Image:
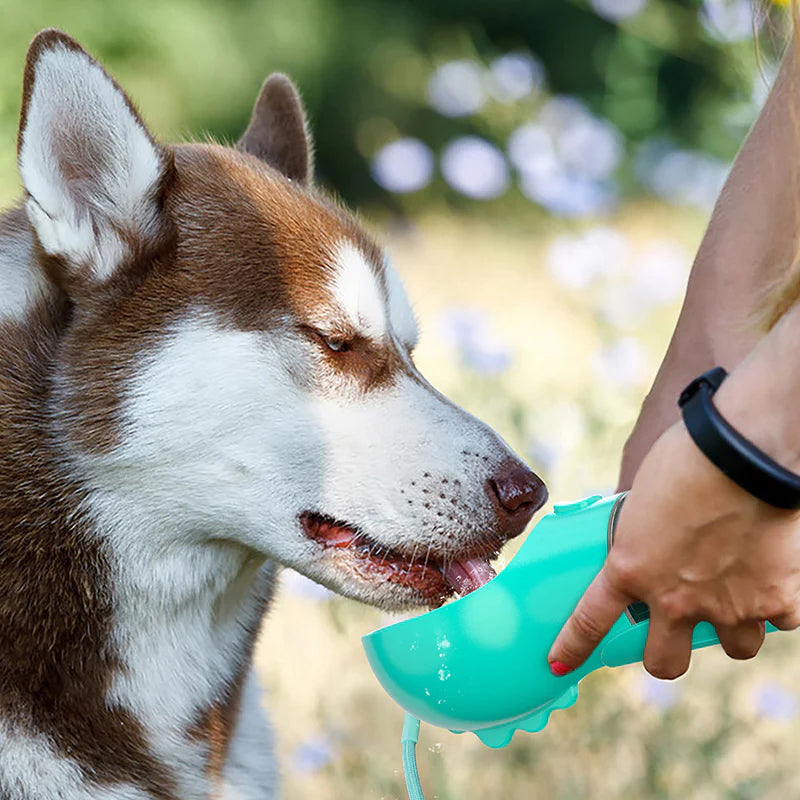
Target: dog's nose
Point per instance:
(518, 489)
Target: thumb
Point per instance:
(598, 609)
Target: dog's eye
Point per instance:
(337, 345)
(334, 343)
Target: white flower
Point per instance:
(577, 261)
(590, 146)
(569, 195)
(658, 693)
(405, 165)
(566, 159)
(728, 20)
(557, 429)
(475, 167)
(531, 150)
(622, 362)
(616, 10)
(620, 306)
(546, 454)
(458, 88)
(661, 273)
(301, 586)
(514, 76)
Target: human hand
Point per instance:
(694, 546)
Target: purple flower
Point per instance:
(775, 702)
(570, 196)
(313, 754)
(546, 454)
(660, 694)
(301, 586)
(578, 261)
(555, 433)
(565, 159)
(682, 177)
(469, 332)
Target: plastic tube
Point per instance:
(409, 743)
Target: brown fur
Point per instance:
(55, 604)
(247, 245)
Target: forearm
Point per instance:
(749, 245)
(751, 240)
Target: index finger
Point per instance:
(598, 609)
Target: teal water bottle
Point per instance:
(479, 663)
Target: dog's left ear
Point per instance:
(278, 131)
(92, 172)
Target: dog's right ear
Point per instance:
(92, 173)
(278, 131)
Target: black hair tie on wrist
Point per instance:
(743, 462)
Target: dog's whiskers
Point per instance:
(413, 558)
(359, 536)
(427, 555)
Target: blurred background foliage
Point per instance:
(542, 171)
(572, 105)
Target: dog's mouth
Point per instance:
(431, 575)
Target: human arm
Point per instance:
(747, 249)
(695, 546)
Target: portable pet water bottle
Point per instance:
(480, 663)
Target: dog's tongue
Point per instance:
(467, 575)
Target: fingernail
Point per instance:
(559, 668)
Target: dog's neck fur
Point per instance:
(126, 661)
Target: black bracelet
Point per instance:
(743, 462)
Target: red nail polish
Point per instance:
(559, 669)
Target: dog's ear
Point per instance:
(278, 131)
(92, 173)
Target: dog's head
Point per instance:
(238, 356)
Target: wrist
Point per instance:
(696, 481)
(759, 397)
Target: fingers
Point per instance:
(743, 640)
(669, 647)
(598, 609)
(787, 622)
(669, 644)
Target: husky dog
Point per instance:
(206, 372)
